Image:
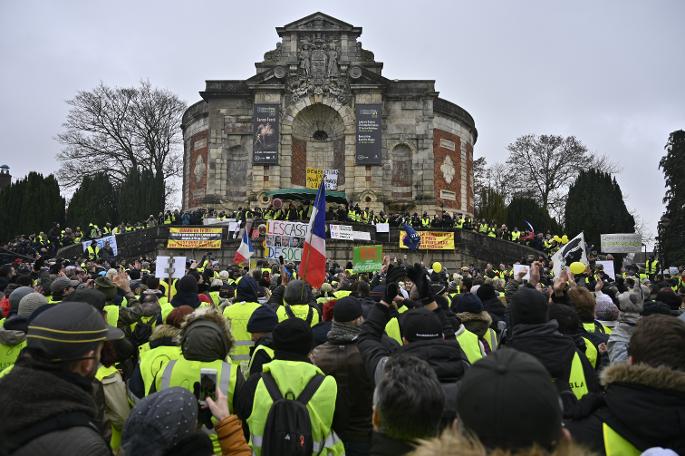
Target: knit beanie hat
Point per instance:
(16, 296)
(347, 309)
(159, 422)
(486, 291)
(421, 324)
(186, 292)
(95, 298)
(605, 309)
(30, 303)
(262, 320)
(566, 317)
(467, 303)
(528, 306)
(502, 388)
(292, 336)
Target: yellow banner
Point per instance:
(432, 240)
(314, 177)
(194, 238)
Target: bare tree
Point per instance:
(114, 130)
(544, 166)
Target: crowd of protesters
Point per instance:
(103, 357)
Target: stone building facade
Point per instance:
(319, 100)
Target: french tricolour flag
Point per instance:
(313, 265)
(245, 251)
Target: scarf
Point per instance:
(343, 332)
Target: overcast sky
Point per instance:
(612, 73)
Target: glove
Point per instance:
(418, 275)
(393, 275)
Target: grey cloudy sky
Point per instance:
(609, 72)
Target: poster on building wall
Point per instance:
(284, 239)
(432, 240)
(313, 177)
(266, 136)
(368, 151)
(194, 238)
(344, 232)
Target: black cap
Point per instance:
(347, 309)
(95, 298)
(528, 306)
(421, 324)
(292, 336)
(68, 330)
(508, 400)
(262, 320)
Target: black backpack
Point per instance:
(291, 314)
(288, 429)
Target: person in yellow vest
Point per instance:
(117, 407)
(162, 347)
(297, 303)
(238, 314)
(644, 396)
(13, 332)
(469, 310)
(515, 235)
(57, 366)
(261, 326)
(288, 376)
(425, 221)
(205, 344)
(93, 251)
(570, 325)
(61, 288)
(651, 267)
(532, 332)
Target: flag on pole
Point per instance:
(574, 251)
(245, 251)
(313, 265)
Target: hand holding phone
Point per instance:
(207, 385)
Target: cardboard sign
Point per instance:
(361, 235)
(101, 243)
(162, 265)
(343, 232)
(367, 258)
(330, 178)
(284, 239)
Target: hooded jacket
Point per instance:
(645, 405)
(555, 351)
(620, 337)
(246, 290)
(477, 323)
(31, 395)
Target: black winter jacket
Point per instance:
(645, 405)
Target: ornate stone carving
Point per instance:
(318, 71)
(447, 169)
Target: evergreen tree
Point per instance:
(524, 209)
(94, 201)
(595, 206)
(492, 207)
(673, 167)
(30, 205)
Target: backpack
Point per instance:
(291, 314)
(288, 429)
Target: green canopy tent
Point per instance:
(302, 194)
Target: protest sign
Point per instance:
(186, 237)
(367, 258)
(621, 243)
(361, 235)
(518, 268)
(284, 239)
(163, 265)
(382, 227)
(432, 240)
(313, 177)
(343, 232)
(101, 243)
(330, 178)
(608, 267)
(569, 253)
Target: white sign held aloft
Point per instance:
(608, 267)
(162, 266)
(621, 243)
(382, 227)
(518, 268)
(569, 253)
